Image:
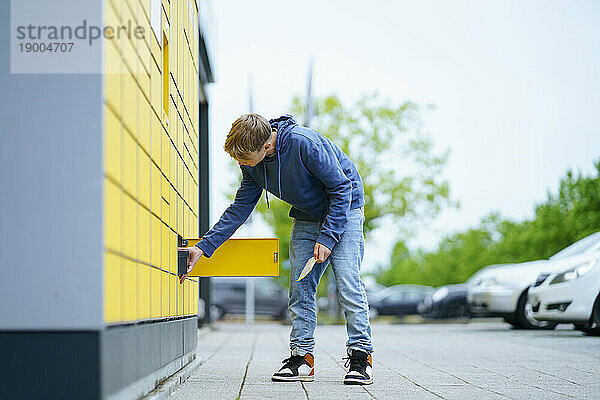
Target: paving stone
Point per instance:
(479, 360)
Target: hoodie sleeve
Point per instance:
(324, 164)
(234, 216)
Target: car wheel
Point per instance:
(592, 328)
(510, 319)
(216, 312)
(524, 316)
(588, 328)
(373, 313)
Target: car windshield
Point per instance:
(579, 247)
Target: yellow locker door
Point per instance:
(239, 257)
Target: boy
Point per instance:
(305, 169)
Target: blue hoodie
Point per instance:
(307, 171)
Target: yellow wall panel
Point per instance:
(165, 294)
(145, 60)
(155, 87)
(155, 51)
(165, 213)
(174, 283)
(156, 197)
(129, 227)
(166, 189)
(145, 11)
(165, 250)
(156, 138)
(112, 288)
(190, 309)
(143, 77)
(172, 173)
(166, 153)
(180, 298)
(144, 239)
(155, 294)
(156, 242)
(127, 46)
(180, 212)
(129, 284)
(144, 123)
(179, 177)
(112, 75)
(144, 179)
(112, 145)
(195, 297)
(129, 170)
(173, 251)
(166, 9)
(143, 291)
(187, 306)
(112, 216)
(173, 209)
(129, 103)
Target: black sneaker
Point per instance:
(296, 368)
(360, 368)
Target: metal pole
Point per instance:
(250, 301)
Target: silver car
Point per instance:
(503, 290)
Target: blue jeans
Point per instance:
(345, 260)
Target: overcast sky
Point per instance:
(516, 85)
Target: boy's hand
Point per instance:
(321, 252)
(193, 257)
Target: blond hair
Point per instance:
(247, 135)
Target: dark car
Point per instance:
(228, 296)
(446, 302)
(397, 300)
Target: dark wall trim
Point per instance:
(204, 201)
(206, 74)
(89, 364)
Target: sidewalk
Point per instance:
(432, 361)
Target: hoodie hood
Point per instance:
(283, 125)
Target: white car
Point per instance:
(502, 290)
(571, 295)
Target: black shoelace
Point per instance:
(293, 362)
(356, 362)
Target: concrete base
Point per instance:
(115, 363)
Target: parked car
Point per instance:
(502, 290)
(229, 297)
(372, 288)
(446, 302)
(571, 295)
(397, 300)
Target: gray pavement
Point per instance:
(478, 360)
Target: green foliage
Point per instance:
(401, 174)
(564, 218)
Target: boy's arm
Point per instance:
(234, 216)
(323, 163)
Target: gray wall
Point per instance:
(51, 208)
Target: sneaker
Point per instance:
(296, 368)
(360, 368)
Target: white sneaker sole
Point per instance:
(308, 378)
(356, 381)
